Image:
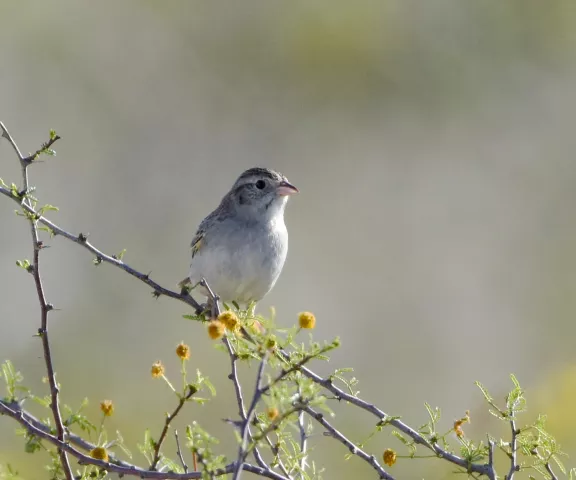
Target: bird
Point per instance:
(240, 248)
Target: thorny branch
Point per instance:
(36, 428)
(275, 451)
(64, 443)
(179, 452)
(303, 437)
(82, 240)
(551, 472)
(514, 467)
(239, 397)
(169, 417)
(245, 432)
(340, 394)
(45, 307)
(347, 443)
(491, 473)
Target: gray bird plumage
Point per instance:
(240, 247)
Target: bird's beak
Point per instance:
(284, 188)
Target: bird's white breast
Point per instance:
(243, 264)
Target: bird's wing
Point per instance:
(194, 246)
(205, 225)
(197, 242)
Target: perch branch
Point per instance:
(82, 240)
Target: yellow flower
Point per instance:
(157, 369)
(272, 413)
(306, 320)
(183, 351)
(389, 457)
(458, 424)
(230, 320)
(216, 329)
(107, 408)
(458, 429)
(99, 453)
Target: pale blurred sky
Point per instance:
(433, 144)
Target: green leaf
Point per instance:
(47, 208)
(147, 448)
(7, 472)
(559, 463)
(25, 264)
(399, 436)
(485, 392)
(43, 401)
(434, 414)
(11, 379)
(50, 232)
(33, 444)
(172, 466)
(119, 442)
(201, 380)
(119, 255)
(408, 443)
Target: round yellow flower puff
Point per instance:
(99, 453)
(157, 369)
(183, 351)
(107, 407)
(306, 320)
(272, 413)
(230, 320)
(389, 457)
(216, 329)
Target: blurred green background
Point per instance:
(433, 144)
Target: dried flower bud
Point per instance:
(458, 424)
(107, 408)
(157, 369)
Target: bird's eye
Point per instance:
(260, 184)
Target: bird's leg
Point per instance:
(185, 288)
(204, 308)
(212, 300)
